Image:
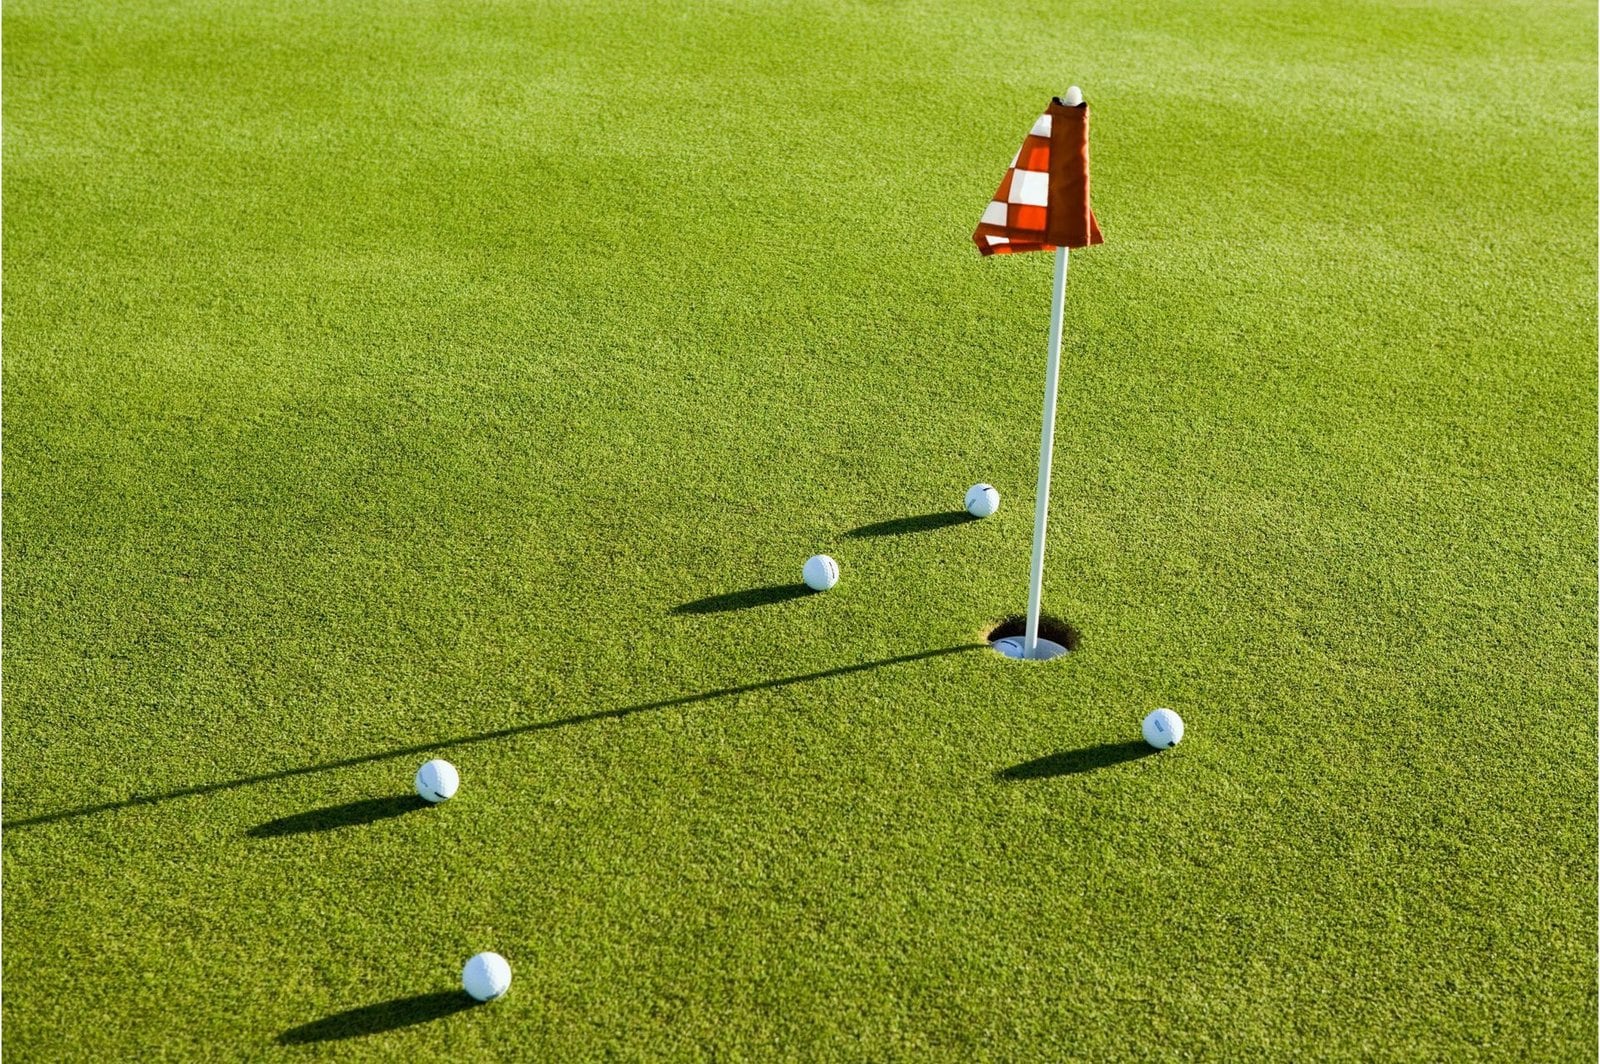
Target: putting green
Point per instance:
(390, 381)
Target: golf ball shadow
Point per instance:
(333, 817)
(375, 1019)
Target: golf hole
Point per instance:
(1056, 638)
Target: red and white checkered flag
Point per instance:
(1043, 201)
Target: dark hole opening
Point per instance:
(1050, 628)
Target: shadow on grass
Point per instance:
(441, 744)
(375, 1019)
(743, 600)
(367, 811)
(1073, 762)
(899, 526)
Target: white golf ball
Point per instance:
(437, 780)
(820, 573)
(1163, 728)
(1074, 97)
(982, 500)
(486, 976)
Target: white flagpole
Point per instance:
(1047, 442)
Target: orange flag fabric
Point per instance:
(1043, 201)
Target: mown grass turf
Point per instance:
(395, 380)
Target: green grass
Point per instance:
(380, 379)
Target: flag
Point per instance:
(1043, 205)
(1043, 201)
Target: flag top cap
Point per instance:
(1043, 200)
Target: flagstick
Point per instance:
(1047, 443)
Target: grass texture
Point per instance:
(395, 380)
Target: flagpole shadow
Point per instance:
(486, 737)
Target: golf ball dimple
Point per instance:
(437, 780)
(982, 500)
(1163, 729)
(486, 976)
(820, 573)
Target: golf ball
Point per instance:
(486, 976)
(1163, 728)
(982, 500)
(820, 573)
(1074, 97)
(437, 780)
